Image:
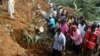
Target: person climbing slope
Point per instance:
(51, 24)
(11, 4)
(59, 13)
(53, 9)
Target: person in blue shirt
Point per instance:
(51, 25)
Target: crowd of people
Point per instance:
(69, 33)
(73, 34)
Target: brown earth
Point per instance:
(10, 37)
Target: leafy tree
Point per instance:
(88, 8)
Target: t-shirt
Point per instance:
(97, 32)
(81, 28)
(52, 23)
(64, 27)
(77, 37)
(59, 42)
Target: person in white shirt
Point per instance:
(59, 43)
(11, 8)
(81, 27)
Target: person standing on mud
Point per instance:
(51, 25)
(76, 37)
(59, 43)
(81, 27)
(89, 42)
(11, 8)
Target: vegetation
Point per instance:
(90, 9)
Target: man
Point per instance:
(98, 39)
(11, 8)
(81, 27)
(59, 43)
(53, 9)
(51, 25)
(64, 27)
(76, 37)
(59, 13)
(89, 42)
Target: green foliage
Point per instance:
(27, 38)
(64, 2)
(31, 40)
(87, 8)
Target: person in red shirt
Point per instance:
(89, 42)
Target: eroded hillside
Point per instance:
(10, 30)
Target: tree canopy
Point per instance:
(90, 9)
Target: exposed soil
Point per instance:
(11, 43)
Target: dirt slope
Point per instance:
(10, 43)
